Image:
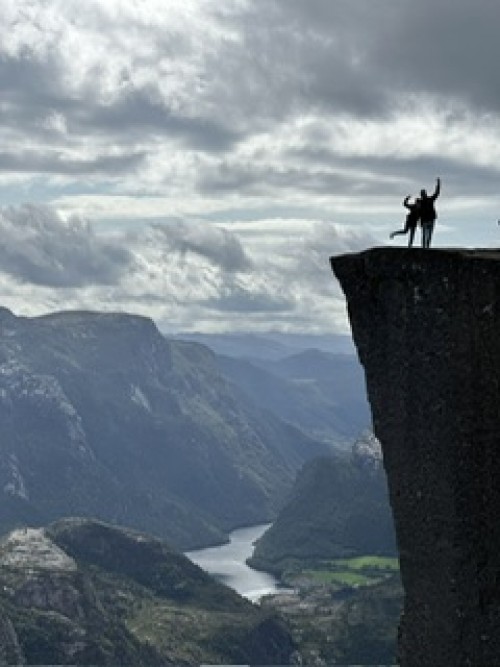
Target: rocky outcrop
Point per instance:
(426, 325)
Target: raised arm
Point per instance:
(406, 200)
(437, 190)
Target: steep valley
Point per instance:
(102, 416)
(84, 592)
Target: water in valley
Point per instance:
(227, 564)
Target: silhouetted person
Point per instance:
(428, 213)
(411, 220)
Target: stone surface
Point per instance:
(426, 325)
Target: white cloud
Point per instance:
(195, 115)
(180, 273)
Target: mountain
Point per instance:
(323, 394)
(270, 346)
(338, 508)
(102, 416)
(83, 592)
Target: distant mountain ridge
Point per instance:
(323, 394)
(270, 345)
(314, 382)
(102, 416)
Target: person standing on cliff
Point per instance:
(411, 220)
(428, 213)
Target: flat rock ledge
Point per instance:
(426, 324)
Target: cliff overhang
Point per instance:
(426, 325)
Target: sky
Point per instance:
(198, 161)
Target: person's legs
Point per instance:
(412, 236)
(431, 230)
(400, 231)
(424, 234)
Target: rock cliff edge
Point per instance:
(427, 329)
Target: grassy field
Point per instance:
(345, 611)
(383, 563)
(352, 572)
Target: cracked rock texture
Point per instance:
(427, 329)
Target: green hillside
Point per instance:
(82, 592)
(322, 394)
(338, 508)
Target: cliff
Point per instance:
(426, 325)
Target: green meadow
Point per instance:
(352, 572)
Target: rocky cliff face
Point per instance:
(426, 325)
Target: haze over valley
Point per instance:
(104, 418)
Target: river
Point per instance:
(227, 564)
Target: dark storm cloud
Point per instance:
(39, 248)
(361, 56)
(447, 48)
(136, 114)
(309, 55)
(32, 90)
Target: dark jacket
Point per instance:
(427, 210)
(413, 212)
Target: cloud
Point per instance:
(217, 142)
(38, 247)
(291, 284)
(138, 115)
(461, 48)
(219, 246)
(200, 99)
(362, 56)
(53, 162)
(244, 301)
(181, 272)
